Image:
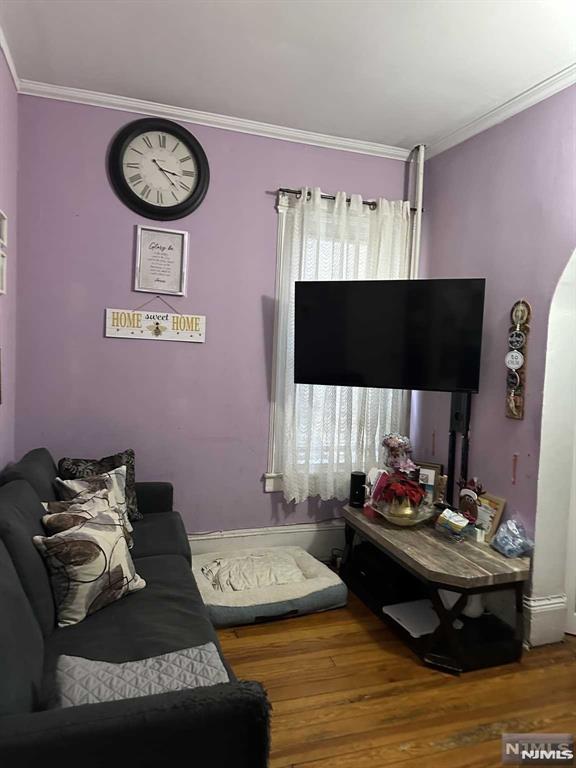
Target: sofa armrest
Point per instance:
(154, 497)
(218, 726)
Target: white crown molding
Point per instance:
(519, 103)
(9, 60)
(238, 124)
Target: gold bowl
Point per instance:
(403, 514)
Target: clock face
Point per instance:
(158, 169)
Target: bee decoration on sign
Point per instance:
(157, 329)
(516, 359)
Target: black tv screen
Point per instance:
(398, 334)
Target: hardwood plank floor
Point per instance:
(346, 693)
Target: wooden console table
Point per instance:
(401, 565)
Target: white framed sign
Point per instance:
(160, 326)
(3, 250)
(161, 261)
(3, 260)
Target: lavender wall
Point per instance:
(8, 204)
(196, 414)
(503, 206)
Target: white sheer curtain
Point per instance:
(322, 433)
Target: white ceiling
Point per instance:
(397, 72)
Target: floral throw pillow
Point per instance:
(90, 567)
(72, 469)
(62, 515)
(81, 490)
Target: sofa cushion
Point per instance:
(21, 641)
(21, 514)
(166, 616)
(160, 534)
(37, 467)
(90, 566)
(72, 469)
(114, 482)
(62, 515)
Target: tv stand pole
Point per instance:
(460, 408)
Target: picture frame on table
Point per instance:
(429, 476)
(161, 264)
(490, 511)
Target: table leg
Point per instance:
(447, 617)
(349, 534)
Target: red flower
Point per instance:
(398, 487)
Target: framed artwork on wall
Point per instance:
(3, 250)
(3, 260)
(161, 261)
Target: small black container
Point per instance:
(357, 489)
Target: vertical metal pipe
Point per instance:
(417, 220)
(415, 238)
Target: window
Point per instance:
(319, 434)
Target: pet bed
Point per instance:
(253, 585)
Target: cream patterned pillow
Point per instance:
(82, 488)
(90, 567)
(63, 515)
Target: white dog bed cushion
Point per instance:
(252, 585)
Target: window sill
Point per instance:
(273, 482)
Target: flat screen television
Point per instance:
(398, 334)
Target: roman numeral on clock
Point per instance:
(136, 177)
(146, 192)
(185, 186)
(132, 165)
(146, 140)
(159, 198)
(188, 173)
(184, 159)
(162, 141)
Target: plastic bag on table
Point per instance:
(512, 540)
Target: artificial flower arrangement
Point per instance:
(397, 487)
(394, 494)
(398, 452)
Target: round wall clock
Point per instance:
(158, 169)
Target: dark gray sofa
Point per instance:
(215, 727)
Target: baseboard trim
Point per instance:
(319, 539)
(545, 619)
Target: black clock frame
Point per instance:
(123, 189)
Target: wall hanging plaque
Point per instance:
(161, 261)
(161, 326)
(516, 359)
(3, 250)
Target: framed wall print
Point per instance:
(3, 260)
(3, 231)
(3, 250)
(161, 261)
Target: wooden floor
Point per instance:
(347, 694)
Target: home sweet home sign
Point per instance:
(159, 326)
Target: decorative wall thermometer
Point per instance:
(516, 359)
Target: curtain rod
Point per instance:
(373, 204)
